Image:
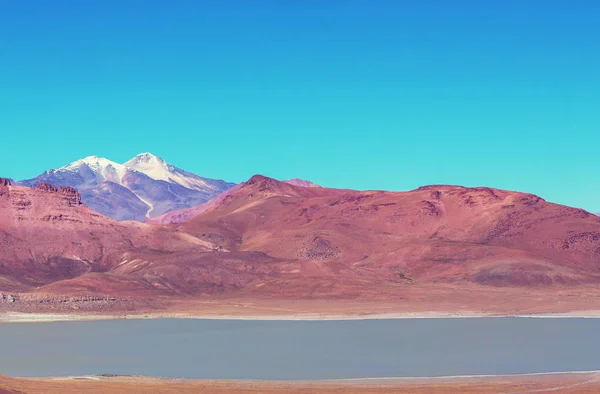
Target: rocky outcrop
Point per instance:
(7, 298)
(4, 187)
(47, 187)
(320, 249)
(71, 195)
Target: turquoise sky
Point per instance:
(358, 94)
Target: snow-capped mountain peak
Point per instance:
(146, 159)
(140, 188)
(159, 170)
(103, 168)
(91, 162)
(153, 166)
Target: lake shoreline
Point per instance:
(25, 317)
(576, 381)
(375, 380)
(286, 355)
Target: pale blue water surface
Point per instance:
(243, 349)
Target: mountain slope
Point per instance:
(143, 187)
(181, 215)
(48, 235)
(51, 243)
(270, 240)
(301, 182)
(435, 234)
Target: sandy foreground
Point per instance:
(576, 382)
(412, 302)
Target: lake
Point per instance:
(245, 349)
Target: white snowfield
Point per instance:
(151, 185)
(158, 169)
(103, 168)
(146, 163)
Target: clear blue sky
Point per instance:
(358, 94)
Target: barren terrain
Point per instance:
(275, 248)
(588, 382)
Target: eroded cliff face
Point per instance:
(4, 187)
(68, 193)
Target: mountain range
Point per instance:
(141, 188)
(268, 239)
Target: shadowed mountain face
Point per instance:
(181, 215)
(274, 239)
(145, 186)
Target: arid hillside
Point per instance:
(48, 236)
(433, 234)
(274, 240)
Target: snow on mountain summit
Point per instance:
(146, 160)
(104, 168)
(142, 187)
(158, 169)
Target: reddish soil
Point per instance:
(435, 234)
(271, 240)
(553, 383)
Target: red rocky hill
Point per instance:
(277, 240)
